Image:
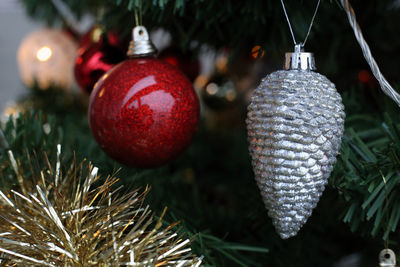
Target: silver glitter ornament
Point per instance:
(295, 123)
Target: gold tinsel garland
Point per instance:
(66, 219)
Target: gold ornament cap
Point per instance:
(141, 45)
(299, 60)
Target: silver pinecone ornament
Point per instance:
(295, 123)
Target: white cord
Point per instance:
(81, 26)
(386, 87)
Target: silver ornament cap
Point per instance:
(299, 60)
(387, 258)
(141, 44)
(295, 122)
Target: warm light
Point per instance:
(222, 64)
(200, 81)
(38, 50)
(96, 35)
(44, 54)
(11, 110)
(257, 52)
(230, 95)
(212, 89)
(101, 92)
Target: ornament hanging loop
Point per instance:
(298, 48)
(387, 258)
(141, 45)
(139, 33)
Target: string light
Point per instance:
(212, 89)
(44, 53)
(257, 52)
(46, 58)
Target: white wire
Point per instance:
(385, 86)
(66, 13)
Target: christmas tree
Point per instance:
(225, 48)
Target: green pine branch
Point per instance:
(367, 177)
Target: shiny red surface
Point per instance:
(143, 112)
(93, 62)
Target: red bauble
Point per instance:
(186, 62)
(97, 35)
(93, 62)
(94, 35)
(143, 112)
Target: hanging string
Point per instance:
(288, 21)
(312, 22)
(140, 12)
(290, 25)
(385, 86)
(136, 16)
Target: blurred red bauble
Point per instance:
(365, 76)
(143, 112)
(93, 62)
(94, 35)
(186, 62)
(97, 35)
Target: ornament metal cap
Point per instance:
(141, 45)
(299, 60)
(387, 258)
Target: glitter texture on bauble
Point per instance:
(143, 112)
(295, 123)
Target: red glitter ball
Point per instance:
(93, 62)
(144, 112)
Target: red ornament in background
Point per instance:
(97, 35)
(365, 76)
(143, 112)
(186, 62)
(94, 35)
(93, 62)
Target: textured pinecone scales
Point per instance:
(295, 123)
